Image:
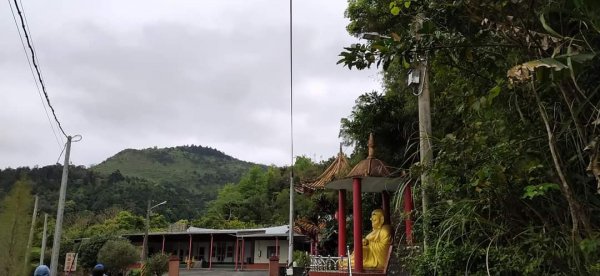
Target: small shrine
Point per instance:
(371, 256)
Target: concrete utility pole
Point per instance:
(33, 219)
(426, 153)
(145, 242)
(42, 253)
(60, 211)
(425, 150)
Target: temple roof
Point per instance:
(337, 170)
(373, 172)
(371, 166)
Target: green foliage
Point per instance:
(301, 258)
(117, 255)
(389, 119)
(88, 251)
(14, 228)
(158, 264)
(511, 192)
(532, 191)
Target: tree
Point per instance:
(117, 255)
(158, 264)
(14, 228)
(88, 251)
(510, 154)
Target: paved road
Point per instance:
(221, 272)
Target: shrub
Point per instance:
(117, 255)
(157, 264)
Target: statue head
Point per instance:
(377, 218)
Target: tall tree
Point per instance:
(510, 154)
(15, 209)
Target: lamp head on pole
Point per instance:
(158, 204)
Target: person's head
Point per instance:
(98, 270)
(377, 218)
(41, 270)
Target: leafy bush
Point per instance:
(117, 255)
(88, 251)
(301, 258)
(157, 264)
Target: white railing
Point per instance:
(328, 263)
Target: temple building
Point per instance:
(240, 249)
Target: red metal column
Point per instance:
(357, 215)
(316, 245)
(408, 207)
(342, 223)
(237, 250)
(243, 254)
(211, 251)
(276, 247)
(189, 261)
(163, 245)
(385, 205)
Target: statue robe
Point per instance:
(375, 252)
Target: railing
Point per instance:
(328, 263)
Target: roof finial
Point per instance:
(371, 145)
(341, 152)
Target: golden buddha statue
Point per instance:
(377, 243)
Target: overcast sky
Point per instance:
(138, 74)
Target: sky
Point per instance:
(140, 74)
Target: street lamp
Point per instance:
(145, 245)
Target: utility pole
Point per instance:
(33, 219)
(425, 150)
(60, 211)
(145, 249)
(44, 240)
(426, 153)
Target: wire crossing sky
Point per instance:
(139, 74)
(35, 65)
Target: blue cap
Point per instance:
(99, 267)
(42, 270)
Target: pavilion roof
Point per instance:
(374, 173)
(337, 170)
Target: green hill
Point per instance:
(196, 168)
(187, 177)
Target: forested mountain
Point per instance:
(197, 168)
(187, 177)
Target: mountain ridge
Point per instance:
(193, 167)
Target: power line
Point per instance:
(59, 142)
(37, 68)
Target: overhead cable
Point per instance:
(37, 69)
(58, 141)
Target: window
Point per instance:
(229, 251)
(272, 251)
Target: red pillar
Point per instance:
(210, 253)
(276, 247)
(357, 214)
(341, 223)
(237, 250)
(163, 245)
(385, 205)
(189, 261)
(408, 207)
(243, 254)
(316, 245)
